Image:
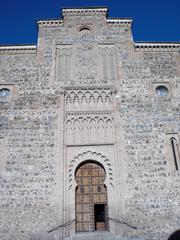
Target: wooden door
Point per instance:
(91, 198)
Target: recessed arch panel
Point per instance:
(93, 156)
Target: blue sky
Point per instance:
(154, 20)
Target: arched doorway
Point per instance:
(91, 198)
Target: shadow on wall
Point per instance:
(175, 236)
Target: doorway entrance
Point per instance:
(91, 198)
(99, 215)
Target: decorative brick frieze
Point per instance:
(157, 47)
(119, 21)
(19, 49)
(89, 116)
(50, 23)
(84, 11)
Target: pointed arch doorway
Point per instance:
(91, 198)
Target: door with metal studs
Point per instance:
(91, 198)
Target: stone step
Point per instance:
(98, 236)
(92, 236)
(124, 238)
(44, 236)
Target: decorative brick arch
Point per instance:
(90, 155)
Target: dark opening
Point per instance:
(99, 215)
(174, 153)
(175, 236)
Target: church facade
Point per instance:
(89, 132)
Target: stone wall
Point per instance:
(85, 51)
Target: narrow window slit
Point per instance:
(174, 148)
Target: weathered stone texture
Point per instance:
(36, 189)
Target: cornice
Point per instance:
(157, 46)
(84, 11)
(87, 87)
(100, 112)
(50, 23)
(119, 21)
(110, 21)
(18, 49)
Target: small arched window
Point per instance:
(4, 93)
(162, 91)
(85, 30)
(175, 152)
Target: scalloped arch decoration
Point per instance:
(90, 155)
